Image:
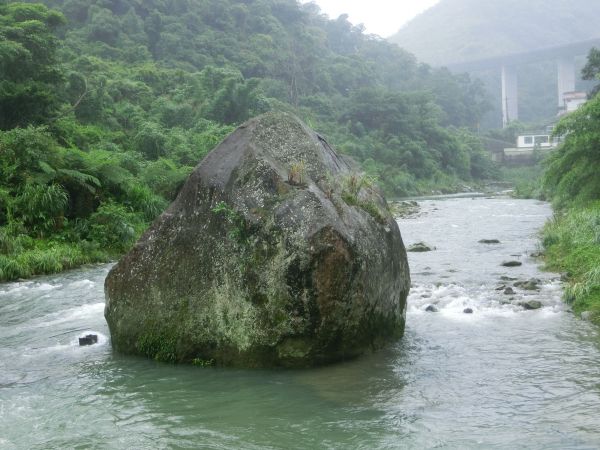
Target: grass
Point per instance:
(572, 243)
(46, 257)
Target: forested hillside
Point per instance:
(462, 30)
(105, 107)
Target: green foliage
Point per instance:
(572, 239)
(591, 71)
(41, 207)
(150, 141)
(571, 175)
(114, 226)
(527, 181)
(28, 68)
(238, 228)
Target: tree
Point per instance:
(572, 171)
(591, 71)
(29, 71)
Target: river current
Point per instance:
(502, 377)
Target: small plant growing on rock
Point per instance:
(351, 187)
(159, 346)
(352, 184)
(239, 228)
(297, 174)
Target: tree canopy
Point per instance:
(106, 106)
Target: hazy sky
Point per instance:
(382, 17)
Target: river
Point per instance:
(501, 377)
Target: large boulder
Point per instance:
(277, 252)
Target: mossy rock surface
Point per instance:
(260, 262)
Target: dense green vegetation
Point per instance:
(106, 106)
(572, 179)
(525, 180)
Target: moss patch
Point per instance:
(158, 345)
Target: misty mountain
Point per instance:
(462, 30)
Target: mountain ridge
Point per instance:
(452, 30)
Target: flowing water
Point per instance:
(501, 377)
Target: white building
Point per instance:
(528, 145)
(572, 101)
(529, 141)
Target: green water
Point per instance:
(499, 378)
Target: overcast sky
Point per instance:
(382, 17)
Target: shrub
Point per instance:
(114, 227)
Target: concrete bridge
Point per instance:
(564, 55)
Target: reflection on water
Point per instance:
(500, 377)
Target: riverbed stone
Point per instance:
(276, 252)
(531, 304)
(432, 308)
(489, 241)
(529, 285)
(89, 339)
(404, 209)
(509, 291)
(468, 311)
(512, 263)
(419, 247)
(565, 277)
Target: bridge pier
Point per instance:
(566, 78)
(510, 95)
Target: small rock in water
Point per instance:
(468, 311)
(586, 315)
(512, 263)
(509, 291)
(530, 285)
(419, 247)
(404, 209)
(489, 241)
(89, 339)
(531, 304)
(431, 308)
(501, 287)
(536, 254)
(505, 278)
